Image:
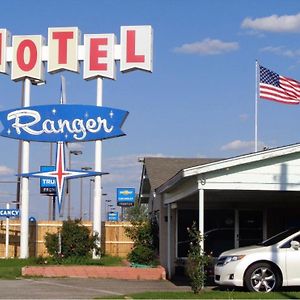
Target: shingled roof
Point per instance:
(160, 169)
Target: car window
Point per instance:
(279, 237)
(288, 243)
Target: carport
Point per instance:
(245, 198)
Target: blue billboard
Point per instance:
(113, 216)
(125, 196)
(47, 184)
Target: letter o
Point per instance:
(27, 66)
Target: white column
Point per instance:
(98, 168)
(24, 248)
(169, 263)
(201, 216)
(7, 234)
(265, 224)
(236, 228)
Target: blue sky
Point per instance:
(199, 100)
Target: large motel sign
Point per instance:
(25, 58)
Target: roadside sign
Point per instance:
(9, 212)
(113, 216)
(47, 184)
(125, 196)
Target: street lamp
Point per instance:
(90, 199)
(81, 190)
(106, 204)
(92, 180)
(74, 152)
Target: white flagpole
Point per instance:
(256, 104)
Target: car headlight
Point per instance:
(233, 258)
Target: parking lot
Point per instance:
(78, 288)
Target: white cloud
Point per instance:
(6, 171)
(208, 47)
(124, 171)
(238, 145)
(75, 146)
(274, 23)
(282, 51)
(243, 117)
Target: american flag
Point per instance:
(278, 88)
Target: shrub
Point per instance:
(196, 261)
(142, 234)
(142, 255)
(74, 240)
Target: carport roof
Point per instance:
(157, 170)
(228, 163)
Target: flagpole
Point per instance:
(256, 105)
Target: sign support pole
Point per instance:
(98, 179)
(24, 249)
(7, 233)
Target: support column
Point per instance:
(265, 224)
(98, 179)
(169, 262)
(201, 216)
(24, 247)
(236, 228)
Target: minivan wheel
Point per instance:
(262, 277)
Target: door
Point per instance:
(250, 227)
(292, 262)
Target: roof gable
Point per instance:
(230, 162)
(160, 169)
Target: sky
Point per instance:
(199, 101)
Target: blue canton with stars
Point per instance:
(268, 77)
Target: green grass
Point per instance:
(11, 268)
(211, 295)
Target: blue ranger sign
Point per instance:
(62, 122)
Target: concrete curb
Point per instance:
(157, 273)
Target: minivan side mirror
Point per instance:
(295, 245)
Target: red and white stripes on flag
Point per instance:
(273, 86)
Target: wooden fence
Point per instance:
(113, 242)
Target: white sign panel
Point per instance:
(136, 48)
(27, 57)
(63, 49)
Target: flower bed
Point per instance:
(121, 272)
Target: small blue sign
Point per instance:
(9, 212)
(113, 216)
(62, 122)
(125, 196)
(47, 184)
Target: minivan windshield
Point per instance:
(278, 237)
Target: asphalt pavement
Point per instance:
(78, 288)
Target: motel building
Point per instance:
(235, 201)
